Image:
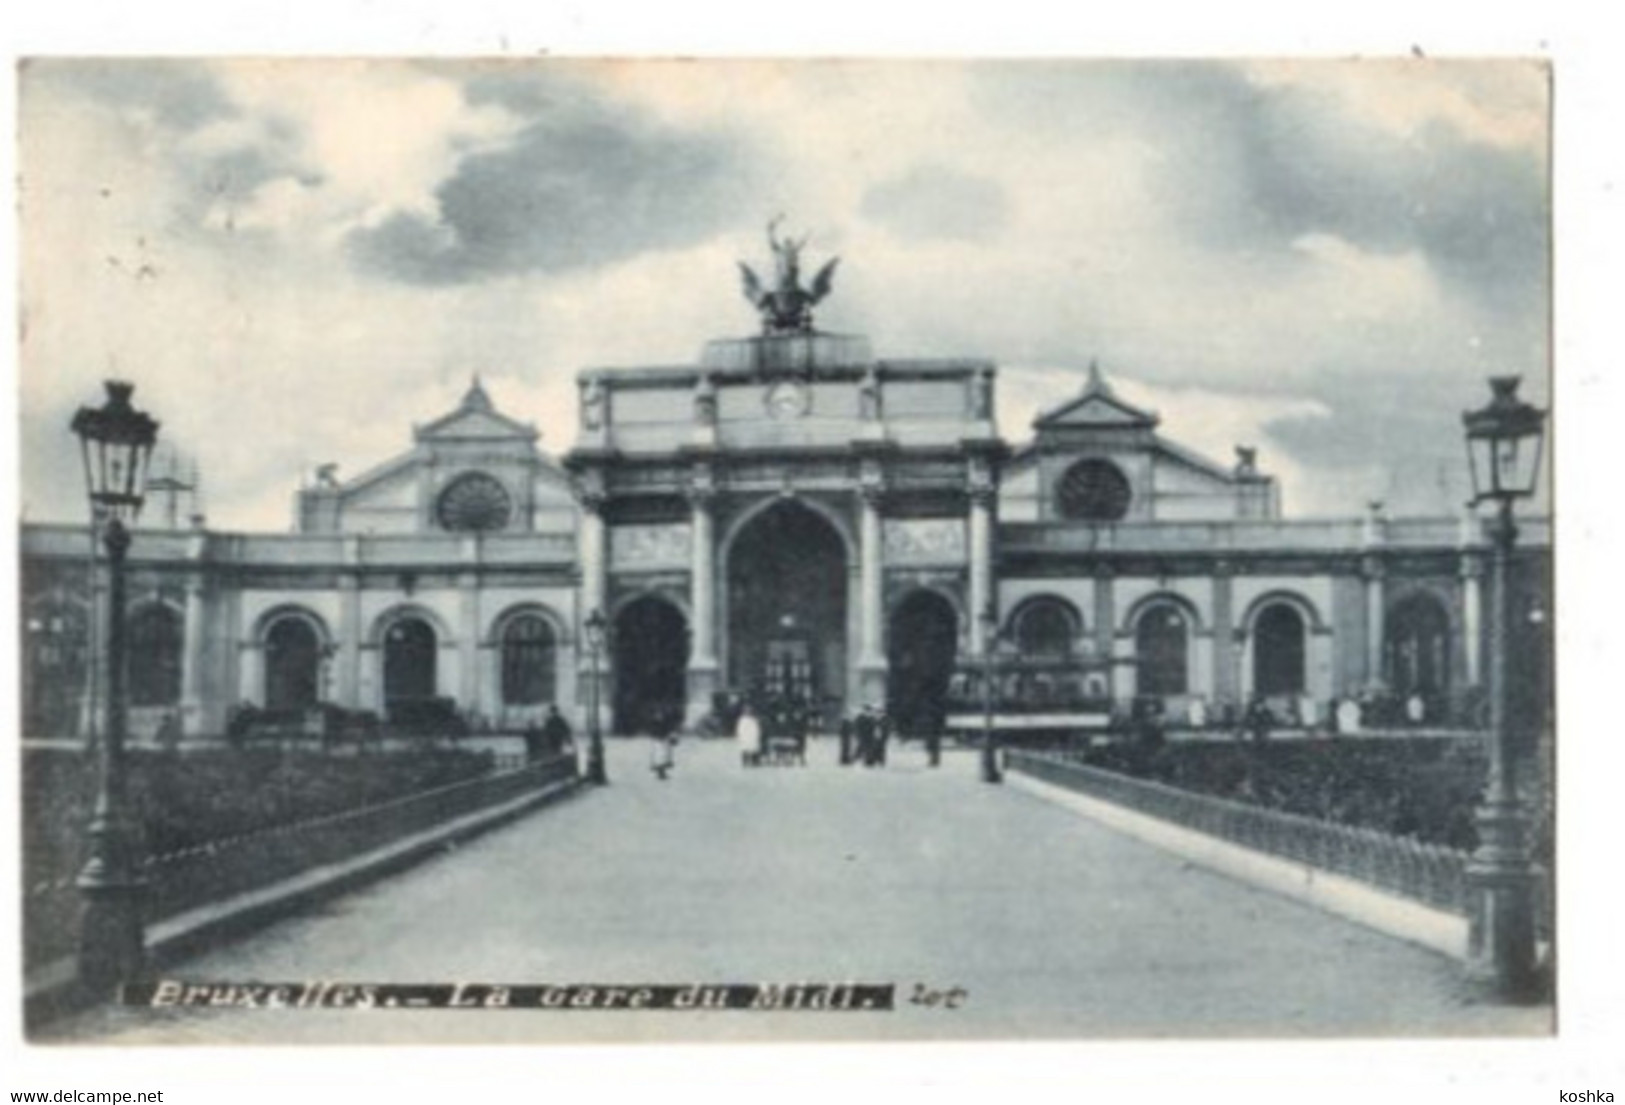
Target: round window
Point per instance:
(475, 503)
(1094, 491)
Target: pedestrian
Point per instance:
(933, 738)
(864, 730)
(848, 732)
(883, 734)
(555, 733)
(662, 754)
(533, 743)
(749, 734)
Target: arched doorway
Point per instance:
(1162, 646)
(920, 653)
(293, 653)
(1278, 651)
(155, 645)
(409, 664)
(1416, 654)
(650, 647)
(787, 609)
(529, 654)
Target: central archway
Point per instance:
(787, 609)
(650, 646)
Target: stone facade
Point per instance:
(789, 517)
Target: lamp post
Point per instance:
(990, 756)
(116, 443)
(596, 774)
(1504, 442)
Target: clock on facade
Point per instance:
(788, 399)
(1093, 491)
(474, 503)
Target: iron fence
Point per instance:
(1429, 873)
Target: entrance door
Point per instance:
(650, 647)
(787, 609)
(920, 650)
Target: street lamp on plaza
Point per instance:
(990, 635)
(1504, 442)
(116, 442)
(596, 774)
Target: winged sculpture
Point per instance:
(786, 307)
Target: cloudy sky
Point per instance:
(296, 261)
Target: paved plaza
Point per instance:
(1051, 925)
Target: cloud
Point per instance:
(581, 185)
(938, 201)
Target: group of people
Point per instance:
(781, 727)
(864, 737)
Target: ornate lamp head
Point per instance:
(116, 443)
(1504, 440)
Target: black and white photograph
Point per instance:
(819, 550)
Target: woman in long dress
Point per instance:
(749, 734)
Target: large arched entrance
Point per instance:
(787, 582)
(920, 653)
(650, 647)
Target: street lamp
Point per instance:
(1503, 445)
(116, 443)
(990, 757)
(595, 734)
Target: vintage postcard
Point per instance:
(619, 551)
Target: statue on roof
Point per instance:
(787, 307)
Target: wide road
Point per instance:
(1052, 926)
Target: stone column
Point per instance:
(1105, 623)
(347, 659)
(871, 594)
(590, 543)
(594, 570)
(468, 644)
(702, 663)
(982, 492)
(1371, 568)
(1226, 676)
(1472, 607)
(194, 650)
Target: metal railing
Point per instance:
(218, 869)
(1429, 873)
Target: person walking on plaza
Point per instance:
(749, 734)
(662, 754)
(883, 734)
(847, 733)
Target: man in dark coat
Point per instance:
(848, 731)
(864, 729)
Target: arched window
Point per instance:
(409, 662)
(1046, 628)
(154, 651)
(1093, 491)
(1162, 646)
(1278, 650)
(293, 656)
(528, 659)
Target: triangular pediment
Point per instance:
(1097, 411)
(463, 425)
(1098, 408)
